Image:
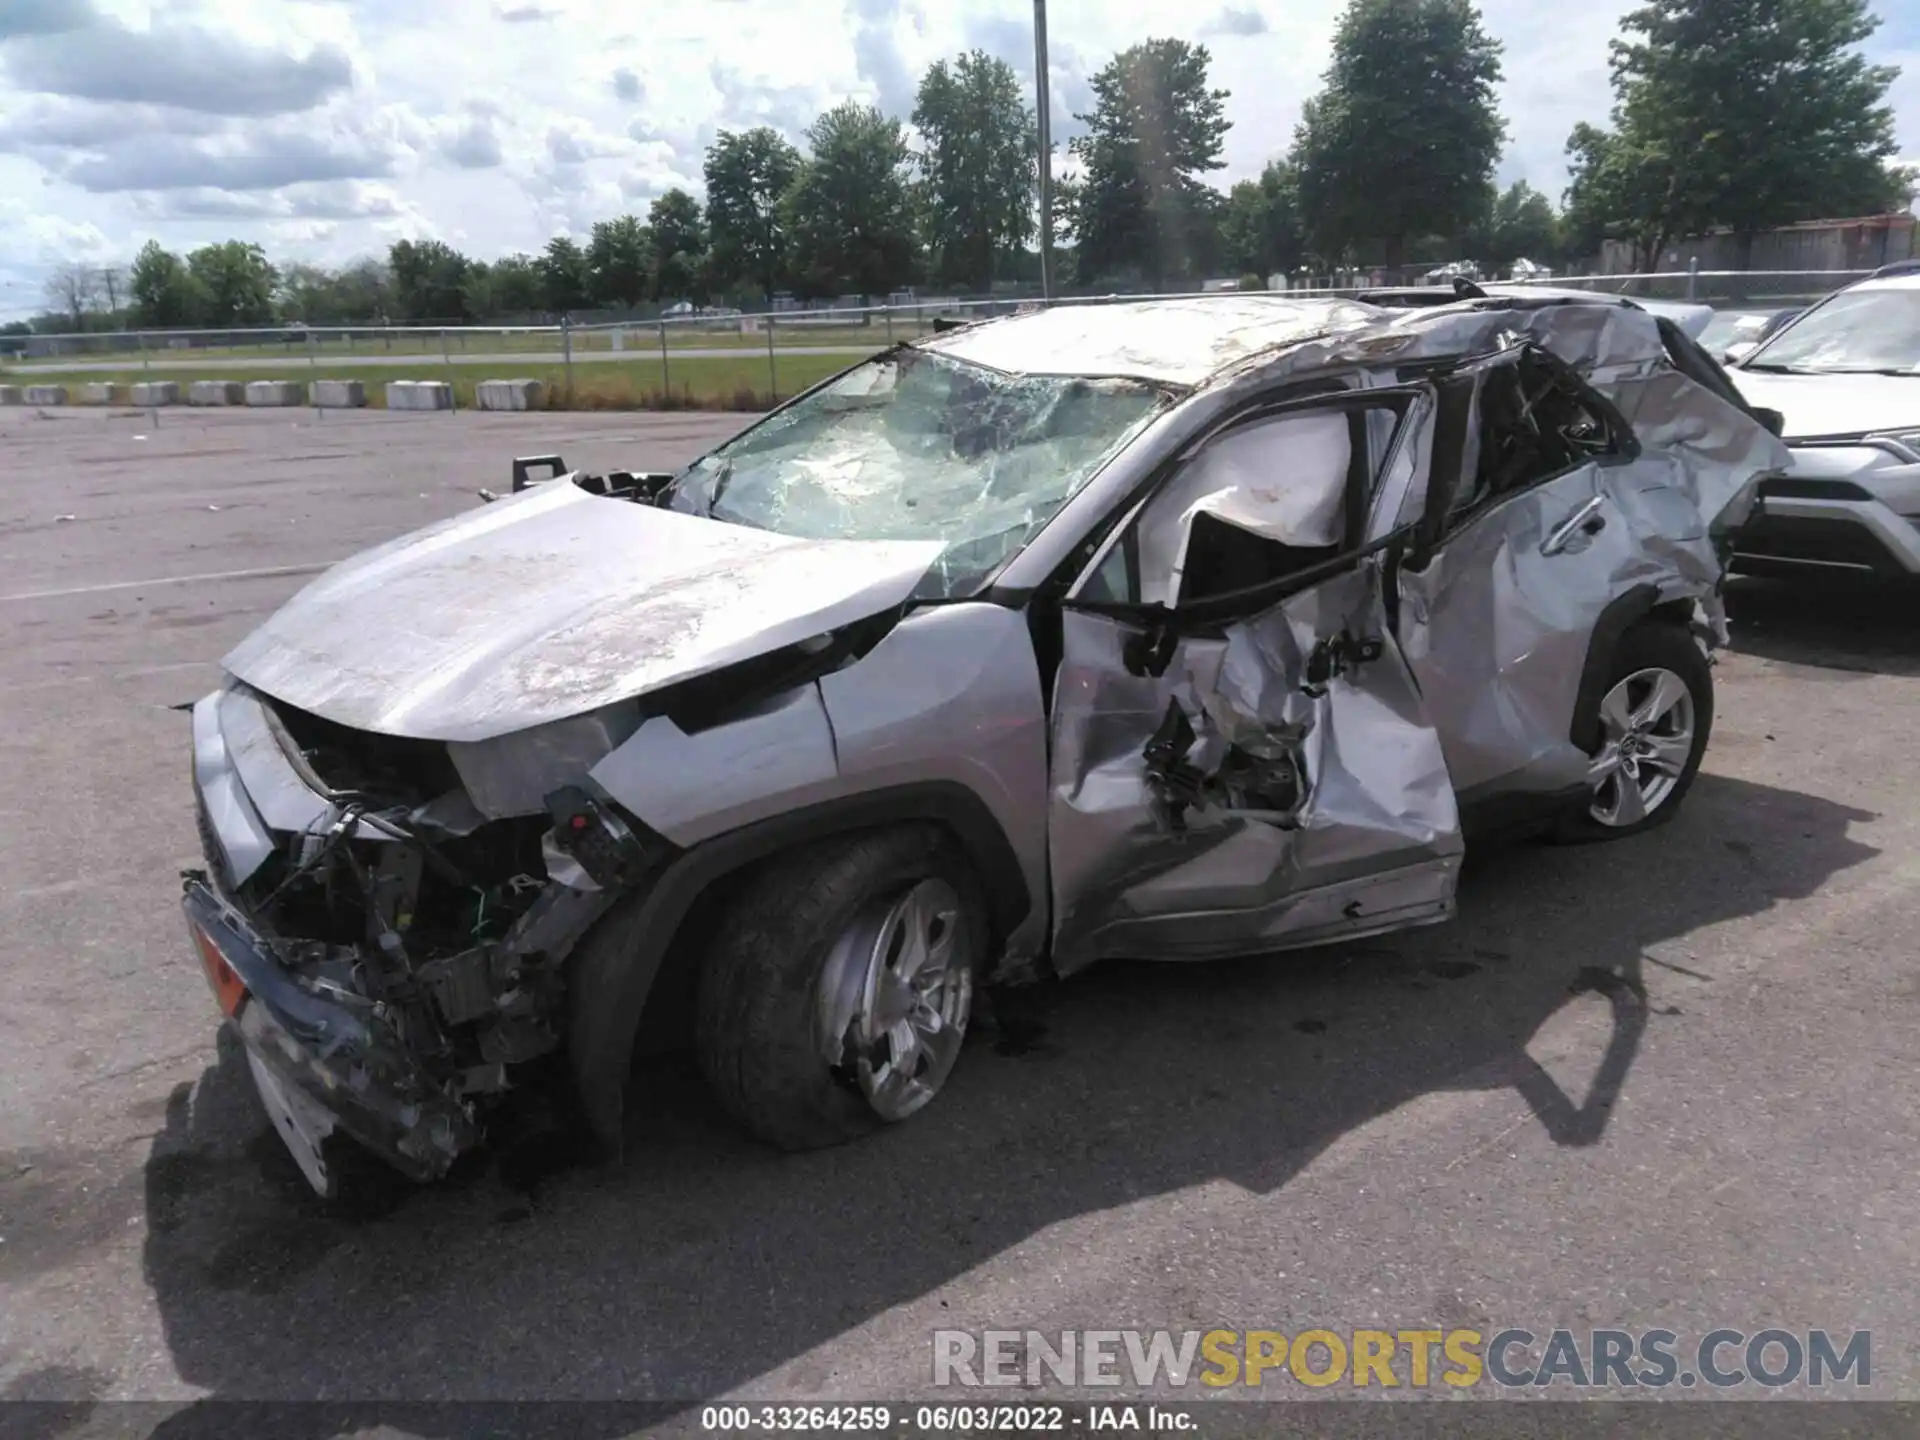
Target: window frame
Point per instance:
(1400, 398)
(1462, 388)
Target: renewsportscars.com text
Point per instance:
(1391, 1359)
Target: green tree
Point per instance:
(978, 170)
(236, 283)
(1743, 113)
(619, 262)
(429, 280)
(1622, 184)
(73, 289)
(477, 300)
(306, 292)
(679, 247)
(1403, 140)
(748, 175)
(1262, 232)
(517, 286)
(1154, 129)
(165, 293)
(849, 212)
(1521, 226)
(364, 292)
(563, 275)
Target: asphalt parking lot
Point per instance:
(1671, 1082)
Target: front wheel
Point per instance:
(1655, 715)
(838, 990)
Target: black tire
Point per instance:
(755, 1030)
(1655, 645)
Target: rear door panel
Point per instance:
(1496, 625)
(1496, 632)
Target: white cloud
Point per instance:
(473, 144)
(1236, 20)
(188, 67)
(326, 130)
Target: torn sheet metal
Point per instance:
(1179, 342)
(1497, 633)
(1283, 479)
(949, 697)
(554, 603)
(399, 957)
(1711, 451)
(1189, 855)
(775, 757)
(1498, 626)
(509, 775)
(236, 838)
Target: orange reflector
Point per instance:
(228, 988)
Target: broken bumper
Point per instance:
(322, 1064)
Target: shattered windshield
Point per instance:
(1859, 332)
(918, 446)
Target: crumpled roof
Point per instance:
(1189, 342)
(1177, 342)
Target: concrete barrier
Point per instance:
(419, 395)
(98, 392)
(216, 392)
(275, 392)
(339, 394)
(9, 395)
(509, 394)
(149, 393)
(46, 394)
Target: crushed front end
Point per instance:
(391, 955)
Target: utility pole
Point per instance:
(1044, 114)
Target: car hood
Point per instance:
(553, 603)
(1832, 405)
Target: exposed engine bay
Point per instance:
(436, 936)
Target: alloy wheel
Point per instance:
(895, 996)
(1647, 735)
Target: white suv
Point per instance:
(1846, 375)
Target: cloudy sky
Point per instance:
(325, 129)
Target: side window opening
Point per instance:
(1534, 421)
(1268, 500)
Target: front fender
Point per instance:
(616, 966)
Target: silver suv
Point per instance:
(1173, 629)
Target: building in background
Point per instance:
(1864, 243)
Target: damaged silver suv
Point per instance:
(1170, 629)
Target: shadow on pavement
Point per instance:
(1832, 622)
(707, 1261)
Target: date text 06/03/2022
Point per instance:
(944, 1419)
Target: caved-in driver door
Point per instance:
(1240, 758)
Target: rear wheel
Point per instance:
(1655, 714)
(839, 987)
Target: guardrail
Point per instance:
(738, 361)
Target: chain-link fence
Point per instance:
(713, 360)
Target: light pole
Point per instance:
(1044, 114)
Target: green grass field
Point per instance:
(692, 383)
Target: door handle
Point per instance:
(1587, 520)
